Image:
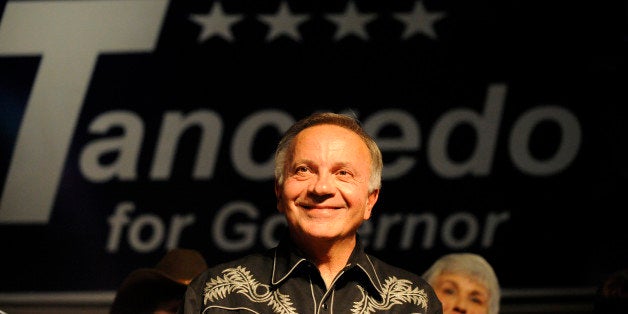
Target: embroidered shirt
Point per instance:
(281, 280)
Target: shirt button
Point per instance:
(324, 306)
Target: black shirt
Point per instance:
(281, 280)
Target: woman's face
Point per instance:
(460, 293)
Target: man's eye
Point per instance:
(343, 172)
(301, 169)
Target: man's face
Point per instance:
(325, 193)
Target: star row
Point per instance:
(285, 23)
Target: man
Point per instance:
(327, 180)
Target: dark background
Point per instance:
(565, 232)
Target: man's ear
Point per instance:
(277, 190)
(370, 203)
(278, 196)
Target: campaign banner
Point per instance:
(128, 128)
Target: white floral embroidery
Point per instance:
(239, 280)
(395, 291)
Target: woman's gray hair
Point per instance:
(473, 266)
(286, 144)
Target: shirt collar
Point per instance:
(288, 258)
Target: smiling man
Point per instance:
(327, 180)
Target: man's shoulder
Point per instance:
(246, 260)
(388, 270)
(394, 280)
(212, 284)
(254, 261)
(245, 265)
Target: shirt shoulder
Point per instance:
(259, 262)
(386, 269)
(213, 284)
(393, 278)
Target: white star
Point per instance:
(351, 22)
(283, 23)
(419, 21)
(215, 22)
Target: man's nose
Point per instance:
(323, 184)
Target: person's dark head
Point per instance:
(612, 295)
(158, 290)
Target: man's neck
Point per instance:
(330, 256)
